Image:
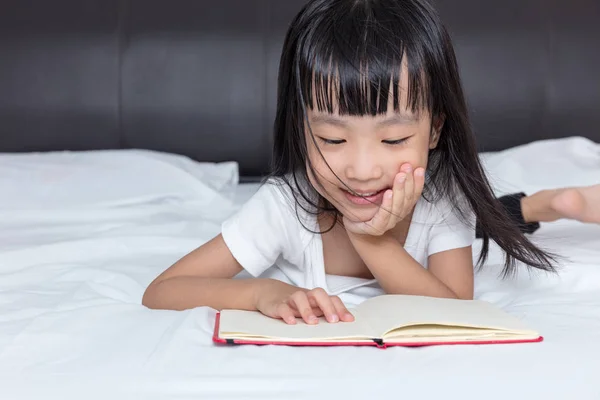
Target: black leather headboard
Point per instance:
(198, 77)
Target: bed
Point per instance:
(76, 257)
(109, 173)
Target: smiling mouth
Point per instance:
(364, 194)
(365, 198)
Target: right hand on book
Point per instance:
(287, 302)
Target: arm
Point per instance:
(252, 239)
(450, 273)
(203, 278)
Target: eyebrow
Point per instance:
(396, 119)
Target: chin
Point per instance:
(359, 214)
(359, 217)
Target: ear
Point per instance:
(438, 124)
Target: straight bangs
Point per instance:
(361, 65)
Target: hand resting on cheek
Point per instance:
(397, 203)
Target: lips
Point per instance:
(366, 198)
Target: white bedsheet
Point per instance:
(75, 260)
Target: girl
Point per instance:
(376, 181)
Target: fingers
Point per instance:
(309, 305)
(409, 184)
(325, 303)
(379, 223)
(299, 301)
(419, 182)
(285, 312)
(414, 184)
(399, 198)
(341, 310)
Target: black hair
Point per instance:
(347, 54)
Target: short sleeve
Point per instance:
(449, 229)
(258, 233)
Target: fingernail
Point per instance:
(333, 318)
(420, 172)
(388, 194)
(401, 178)
(312, 319)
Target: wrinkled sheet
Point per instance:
(82, 235)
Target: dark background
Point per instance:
(198, 77)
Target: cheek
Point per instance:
(415, 157)
(321, 165)
(322, 181)
(314, 163)
(313, 153)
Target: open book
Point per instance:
(389, 320)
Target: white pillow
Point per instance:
(108, 178)
(544, 164)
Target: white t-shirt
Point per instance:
(271, 237)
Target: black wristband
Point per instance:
(512, 205)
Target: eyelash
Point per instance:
(340, 141)
(332, 141)
(395, 142)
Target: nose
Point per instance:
(363, 165)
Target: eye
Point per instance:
(395, 142)
(331, 141)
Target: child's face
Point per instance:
(366, 153)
